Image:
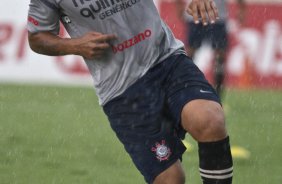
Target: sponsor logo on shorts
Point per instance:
(162, 151)
(132, 41)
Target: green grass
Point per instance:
(59, 135)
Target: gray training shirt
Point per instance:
(143, 39)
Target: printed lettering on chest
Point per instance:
(102, 9)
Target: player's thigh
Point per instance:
(219, 36)
(172, 175)
(196, 35)
(187, 85)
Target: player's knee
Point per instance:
(207, 123)
(213, 127)
(173, 175)
(179, 178)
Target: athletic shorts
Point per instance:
(213, 34)
(146, 117)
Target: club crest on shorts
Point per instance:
(162, 151)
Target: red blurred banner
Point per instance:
(254, 56)
(255, 49)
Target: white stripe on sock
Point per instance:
(217, 177)
(216, 171)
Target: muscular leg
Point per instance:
(219, 71)
(204, 121)
(173, 175)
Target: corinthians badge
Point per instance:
(162, 151)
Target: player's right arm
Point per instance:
(93, 45)
(43, 27)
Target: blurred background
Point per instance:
(52, 129)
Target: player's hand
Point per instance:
(203, 9)
(94, 45)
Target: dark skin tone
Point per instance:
(203, 119)
(92, 45)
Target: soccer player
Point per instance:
(214, 34)
(151, 92)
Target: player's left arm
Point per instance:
(242, 11)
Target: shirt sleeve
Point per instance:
(43, 15)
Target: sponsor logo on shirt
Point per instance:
(33, 21)
(102, 8)
(132, 41)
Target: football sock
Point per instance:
(216, 165)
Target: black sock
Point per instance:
(216, 166)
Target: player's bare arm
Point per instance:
(203, 9)
(242, 11)
(92, 45)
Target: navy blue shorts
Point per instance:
(146, 117)
(214, 34)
